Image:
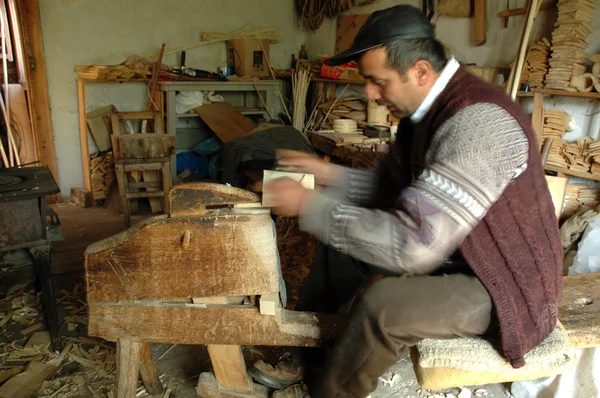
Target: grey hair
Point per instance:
(402, 54)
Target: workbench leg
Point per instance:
(41, 260)
(229, 366)
(230, 378)
(148, 372)
(128, 367)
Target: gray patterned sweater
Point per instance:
(473, 157)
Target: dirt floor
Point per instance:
(86, 368)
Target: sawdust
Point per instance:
(297, 251)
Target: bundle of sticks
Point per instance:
(102, 174)
(300, 82)
(536, 65)
(569, 42)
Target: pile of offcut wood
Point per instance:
(569, 42)
(536, 65)
(579, 197)
(102, 174)
(556, 124)
(344, 108)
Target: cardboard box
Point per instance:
(248, 57)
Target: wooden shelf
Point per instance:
(112, 80)
(572, 173)
(559, 93)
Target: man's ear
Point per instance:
(423, 72)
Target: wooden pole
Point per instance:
(515, 73)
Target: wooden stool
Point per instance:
(142, 156)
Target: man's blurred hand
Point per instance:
(286, 196)
(302, 162)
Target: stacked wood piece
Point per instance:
(588, 82)
(569, 42)
(102, 174)
(556, 124)
(345, 108)
(583, 156)
(580, 197)
(536, 65)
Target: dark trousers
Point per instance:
(389, 317)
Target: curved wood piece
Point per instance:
(148, 372)
(191, 199)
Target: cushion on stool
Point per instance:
(472, 361)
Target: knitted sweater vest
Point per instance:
(515, 250)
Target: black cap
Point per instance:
(385, 26)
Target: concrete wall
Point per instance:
(85, 32)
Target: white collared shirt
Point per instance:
(439, 86)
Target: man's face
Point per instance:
(385, 84)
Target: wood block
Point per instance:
(209, 387)
(81, 197)
(269, 304)
(26, 384)
(241, 250)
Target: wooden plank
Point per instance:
(21, 123)
(228, 255)
(557, 186)
(572, 173)
(579, 309)
(480, 22)
(192, 198)
(537, 117)
(83, 138)
(186, 324)
(99, 123)
(27, 384)
(225, 121)
(128, 366)
(148, 372)
(229, 366)
(29, 12)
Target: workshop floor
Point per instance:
(178, 365)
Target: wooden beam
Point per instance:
(128, 366)
(523, 11)
(189, 324)
(29, 13)
(229, 366)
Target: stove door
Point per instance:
(20, 222)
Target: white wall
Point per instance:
(85, 32)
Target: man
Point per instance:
(458, 217)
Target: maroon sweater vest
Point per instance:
(515, 250)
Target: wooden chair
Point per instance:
(142, 161)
